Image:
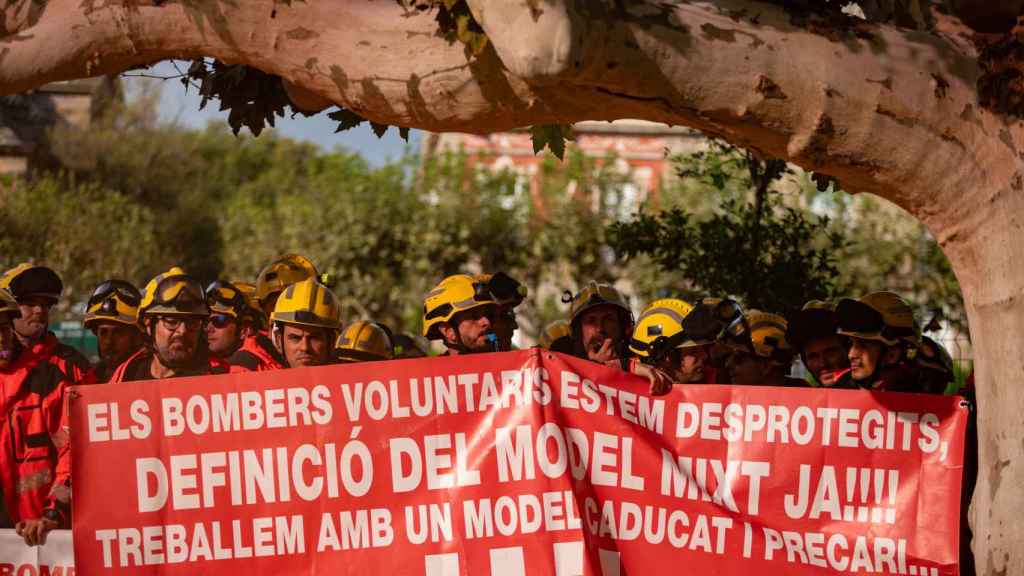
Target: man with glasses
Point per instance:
(172, 312)
(112, 314)
(37, 289)
(461, 312)
(34, 451)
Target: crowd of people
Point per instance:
(290, 318)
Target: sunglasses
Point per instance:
(219, 321)
(124, 291)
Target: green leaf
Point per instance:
(345, 118)
(552, 137)
(378, 129)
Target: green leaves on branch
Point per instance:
(552, 137)
(457, 24)
(348, 119)
(253, 97)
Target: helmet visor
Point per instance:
(181, 293)
(124, 291)
(226, 295)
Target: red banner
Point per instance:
(510, 464)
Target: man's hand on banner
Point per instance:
(661, 383)
(34, 531)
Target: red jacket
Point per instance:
(137, 367)
(35, 457)
(258, 354)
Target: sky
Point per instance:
(181, 106)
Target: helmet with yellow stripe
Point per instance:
(308, 303)
(364, 341)
(8, 305)
(173, 293)
(659, 329)
(282, 273)
(113, 301)
(455, 294)
(28, 280)
(762, 334)
(555, 333)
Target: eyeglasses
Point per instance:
(172, 323)
(124, 291)
(219, 321)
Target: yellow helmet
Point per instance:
(113, 301)
(308, 303)
(364, 341)
(282, 273)
(597, 294)
(764, 335)
(881, 316)
(454, 294)
(173, 293)
(255, 310)
(506, 290)
(8, 305)
(225, 298)
(659, 328)
(554, 332)
(26, 280)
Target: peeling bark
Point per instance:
(885, 110)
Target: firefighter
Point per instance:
(664, 339)
(34, 451)
(461, 311)
(759, 352)
(112, 314)
(509, 294)
(600, 323)
(280, 274)
(935, 369)
(229, 322)
(305, 323)
(882, 337)
(172, 312)
(255, 351)
(364, 341)
(557, 337)
(37, 289)
(812, 333)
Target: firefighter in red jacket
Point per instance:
(233, 329)
(37, 289)
(172, 313)
(112, 314)
(34, 446)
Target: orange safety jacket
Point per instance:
(137, 367)
(257, 354)
(35, 456)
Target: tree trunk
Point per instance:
(884, 110)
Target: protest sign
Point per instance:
(54, 558)
(510, 464)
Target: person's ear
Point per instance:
(448, 332)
